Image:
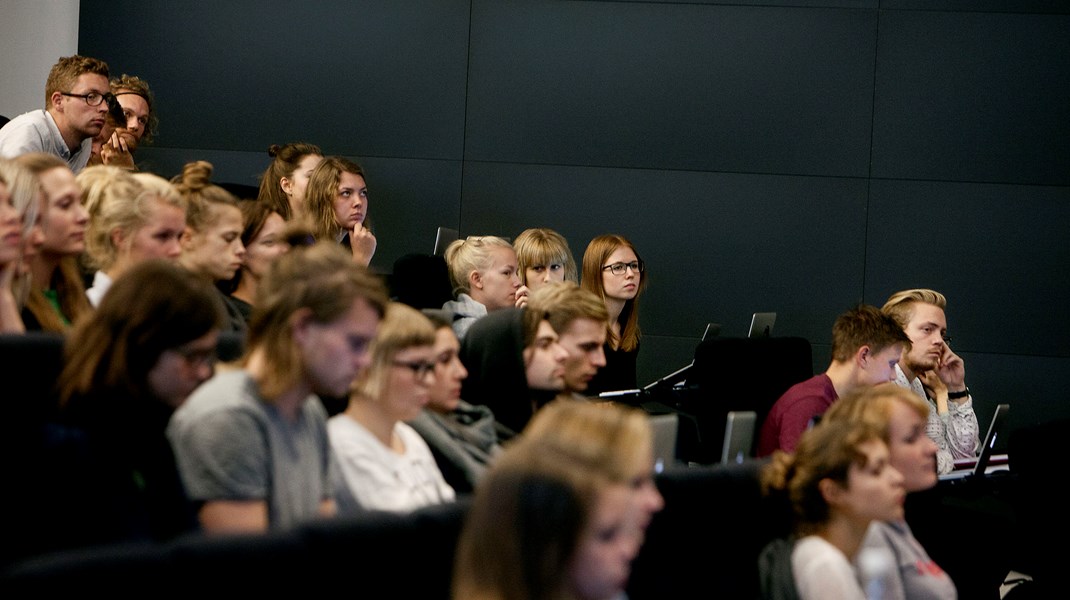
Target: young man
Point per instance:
(75, 112)
(515, 364)
(935, 373)
(866, 345)
(116, 142)
(579, 317)
(251, 444)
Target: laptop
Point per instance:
(443, 237)
(677, 377)
(666, 428)
(980, 466)
(738, 436)
(761, 324)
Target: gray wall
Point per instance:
(793, 156)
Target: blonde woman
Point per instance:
(132, 218)
(543, 256)
(20, 203)
(383, 463)
(483, 270)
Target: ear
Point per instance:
(117, 237)
(299, 322)
(287, 186)
(186, 238)
(862, 356)
(56, 101)
(475, 280)
(831, 491)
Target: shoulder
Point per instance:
(227, 397)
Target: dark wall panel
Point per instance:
(726, 88)
(718, 247)
(356, 77)
(973, 97)
(998, 252)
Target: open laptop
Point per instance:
(666, 428)
(738, 436)
(980, 466)
(678, 376)
(443, 237)
(761, 324)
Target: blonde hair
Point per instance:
(542, 246)
(321, 278)
(901, 304)
(201, 194)
(117, 199)
(402, 327)
(24, 188)
(470, 254)
(873, 405)
(564, 302)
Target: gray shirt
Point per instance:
(230, 444)
(36, 131)
(915, 576)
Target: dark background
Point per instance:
(794, 156)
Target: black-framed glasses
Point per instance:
(619, 268)
(420, 368)
(92, 98)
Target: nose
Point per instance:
(599, 357)
(560, 354)
(240, 250)
(133, 124)
(458, 369)
(173, 248)
(83, 214)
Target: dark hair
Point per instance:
(286, 159)
(865, 325)
(153, 307)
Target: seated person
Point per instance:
(20, 205)
(382, 463)
(836, 483)
(211, 244)
(283, 184)
(935, 373)
(251, 444)
(613, 271)
(515, 365)
(463, 437)
(579, 318)
(484, 276)
(543, 256)
(336, 205)
(866, 345)
(262, 233)
(132, 218)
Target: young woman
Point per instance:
(309, 336)
(462, 437)
(20, 201)
(383, 463)
(613, 270)
(283, 184)
(837, 482)
(336, 202)
(544, 525)
(263, 238)
(211, 244)
(901, 416)
(57, 296)
(132, 218)
(150, 343)
(543, 256)
(483, 271)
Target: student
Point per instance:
(463, 437)
(315, 317)
(515, 365)
(20, 203)
(128, 366)
(543, 256)
(613, 271)
(579, 318)
(542, 526)
(483, 270)
(132, 218)
(336, 203)
(283, 184)
(935, 373)
(211, 244)
(837, 482)
(866, 345)
(76, 105)
(901, 417)
(383, 464)
(57, 295)
(117, 141)
(263, 237)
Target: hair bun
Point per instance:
(273, 150)
(196, 175)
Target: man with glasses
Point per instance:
(935, 373)
(77, 94)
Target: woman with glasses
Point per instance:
(150, 343)
(613, 270)
(382, 463)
